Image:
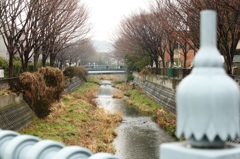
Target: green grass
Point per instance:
(141, 100)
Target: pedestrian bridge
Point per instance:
(106, 69)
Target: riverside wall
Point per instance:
(15, 114)
(159, 88)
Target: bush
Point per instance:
(17, 67)
(41, 89)
(130, 77)
(76, 71)
(54, 80)
(70, 71)
(82, 73)
(4, 66)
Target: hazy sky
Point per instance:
(106, 15)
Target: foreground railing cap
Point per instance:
(208, 99)
(207, 105)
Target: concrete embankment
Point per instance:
(159, 88)
(15, 113)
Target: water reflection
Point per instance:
(138, 137)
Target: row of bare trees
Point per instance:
(76, 53)
(172, 24)
(34, 28)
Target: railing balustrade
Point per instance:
(16, 146)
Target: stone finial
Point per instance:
(208, 99)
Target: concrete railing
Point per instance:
(16, 146)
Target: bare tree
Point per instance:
(168, 19)
(77, 52)
(68, 22)
(145, 31)
(33, 27)
(228, 26)
(11, 13)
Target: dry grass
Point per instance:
(166, 120)
(125, 86)
(5, 91)
(75, 121)
(118, 95)
(114, 78)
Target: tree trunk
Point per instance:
(157, 67)
(185, 60)
(35, 61)
(25, 64)
(151, 62)
(11, 67)
(52, 60)
(44, 60)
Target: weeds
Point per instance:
(76, 121)
(118, 95)
(5, 91)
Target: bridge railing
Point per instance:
(16, 146)
(105, 67)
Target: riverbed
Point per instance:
(138, 136)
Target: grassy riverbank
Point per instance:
(77, 121)
(140, 100)
(165, 119)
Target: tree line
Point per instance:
(146, 36)
(34, 28)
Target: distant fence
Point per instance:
(171, 72)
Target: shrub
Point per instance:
(76, 71)
(145, 71)
(17, 67)
(130, 77)
(54, 80)
(41, 89)
(70, 71)
(82, 73)
(4, 65)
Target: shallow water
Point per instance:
(138, 136)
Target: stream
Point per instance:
(138, 136)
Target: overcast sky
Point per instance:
(105, 15)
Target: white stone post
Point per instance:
(207, 105)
